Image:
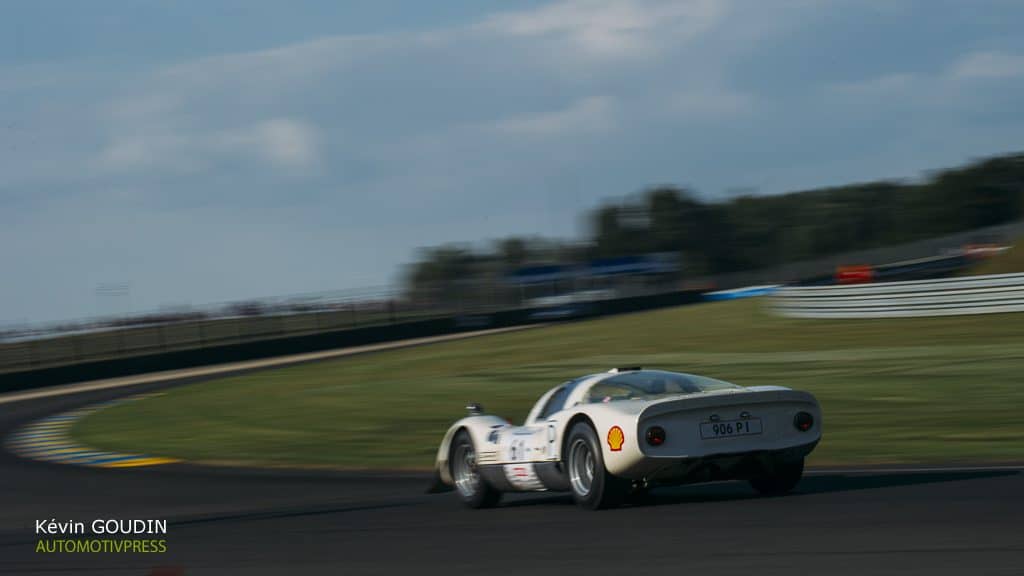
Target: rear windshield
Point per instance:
(647, 384)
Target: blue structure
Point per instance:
(644, 265)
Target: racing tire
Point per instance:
(471, 487)
(780, 479)
(591, 485)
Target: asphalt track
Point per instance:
(235, 521)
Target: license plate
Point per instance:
(729, 428)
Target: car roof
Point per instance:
(582, 385)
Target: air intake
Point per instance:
(625, 369)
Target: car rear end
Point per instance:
(729, 434)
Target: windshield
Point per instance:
(647, 384)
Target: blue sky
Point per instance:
(212, 151)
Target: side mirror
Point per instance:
(474, 409)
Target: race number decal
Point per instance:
(517, 449)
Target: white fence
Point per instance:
(945, 297)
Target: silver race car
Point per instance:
(605, 436)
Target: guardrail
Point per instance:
(946, 297)
(285, 344)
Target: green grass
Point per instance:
(893, 390)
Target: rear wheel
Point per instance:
(780, 478)
(591, 485)
(474, 491)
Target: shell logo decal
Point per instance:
(615, 438)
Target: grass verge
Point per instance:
(915, 390)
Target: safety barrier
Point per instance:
(222, 353)
(945, 297)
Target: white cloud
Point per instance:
(884, 85)
(962, 71)
(191, 116)
(602, 29)
(145, 106)
(591, 114)
(280, 67)
(987, 65)
(610, 28)
(708, 103)
(286, 143)
(166, 123)
(147, 151)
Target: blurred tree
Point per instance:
(610, 236)
(748, 231)
(513, 252)
(439, 274)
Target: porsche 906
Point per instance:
(605, 436)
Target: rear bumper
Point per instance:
(665, 471)
(715, 467)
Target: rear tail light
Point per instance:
(655, 436)
(803, 421)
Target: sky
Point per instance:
(200, 152)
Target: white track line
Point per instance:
(247, 365)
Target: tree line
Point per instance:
(748, 231)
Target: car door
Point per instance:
(524, 446)
(546, 422)
(531, 442)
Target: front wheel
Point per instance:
(780, 478)
(591, 484)
(474, 491)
